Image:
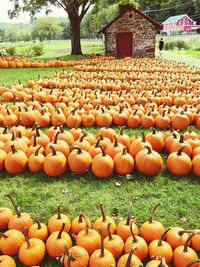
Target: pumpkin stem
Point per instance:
(78, 148)
(56, 138)
(162, 262)
(86, 229)
(124, 152)
(109, 232)
(83, 136)
(26, 238)
(17, 123)
(13, 136)
(80, 218)
(102, 212)
(181, 139)
(59, 213)
(135, 112)
(121, 132)
(38, 223)
(180, 150)
(192, 262)
(37, 131)
(128, 217)
(61, 230)
(164, 112)
(116, 142)
(163, 236)
(98, 142)
(132, 233)
(13, 149)
(3, 235)
(153, 211)
(187, 242)
(128, 263)
(186, 232)
(53, 151)
(37, 151)
(70, 258)
(102, 242)
(103, 151)
(143, 137)
(14, 204)
(35, 140)
(149, 150)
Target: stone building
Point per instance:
(131, 33)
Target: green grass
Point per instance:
(57, 48)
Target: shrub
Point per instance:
(38, 50)
(180, 44)
(11, 51)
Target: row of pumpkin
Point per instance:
(103, 243)
(58, 150)
(89, 108)
(20, 62)
(139, 65)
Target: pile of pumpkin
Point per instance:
(58, 150)
(20, 62)
(103, 243)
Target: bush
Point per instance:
(180, 44)
(26, 51)
(11, 51)
(38, 50)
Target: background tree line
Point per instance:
(49, 28)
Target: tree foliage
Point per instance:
(46, 28)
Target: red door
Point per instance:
(124, 44)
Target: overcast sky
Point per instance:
(5, 5)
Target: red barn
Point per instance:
(182, 23)
(131, 34)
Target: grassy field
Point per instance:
(39, 194)
(56, 48)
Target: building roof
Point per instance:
(174, 19)
(130, 8)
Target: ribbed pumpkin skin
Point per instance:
(54, 224)
(115, 246)
(97, 261)
(148, 163)
(55, 247)
(195, 242)
(181, 259)
(41, 233)
(81, 256)
(34, 255)
(11, 245)
(123, 230)
(174, 239)
(91, 241)
(183, 163)
(79, 226)
(5, 215)
(142, 248)
(16, 162)
(104, 224)
(155, 263)
(55, 165)
(135, 261)
(164, 250)
(7, 261)
(151, 231)
(20, 222)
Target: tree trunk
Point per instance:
(75, 31)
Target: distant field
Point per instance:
(57, 48)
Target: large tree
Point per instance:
(75, 9)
